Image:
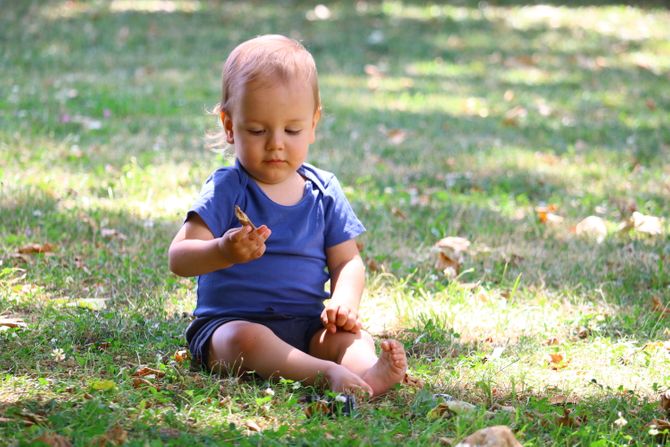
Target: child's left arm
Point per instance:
(347, 279)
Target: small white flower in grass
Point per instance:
(58, 354)
(269, 392)
(621, 421)
(653, 431)
(341, 398)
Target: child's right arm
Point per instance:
(195, 251)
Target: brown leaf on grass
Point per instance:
(553, 341)
(12, 323)
(659, 428)
(112, 233)
(557, 361)
(496, 436)
(139, 382)
(514, 115)
(592, 227)
(36, 248)
(412, 382)
(450, 252)
(651, 104)
(399, 213)
(146, 371)
(396, 136)
(567, 420)
(252, 426)
(54, 440)
(546, 214)
(181, 355)
(658, 306)
(665, 400)
(642, 223)
(317, 408)
(373, 265)
(116, 435)
(560, 399)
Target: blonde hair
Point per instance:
(264, 60)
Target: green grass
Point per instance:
(496, 108)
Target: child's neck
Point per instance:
(287, 193)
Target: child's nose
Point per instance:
(275, 141)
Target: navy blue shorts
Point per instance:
(296, 331)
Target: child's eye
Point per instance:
(255, 131)
(293, 131)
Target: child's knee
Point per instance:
(239, 337)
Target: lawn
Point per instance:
(500, 122)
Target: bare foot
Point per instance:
(342, 380)
(389, 369)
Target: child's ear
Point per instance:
(315, 121)
(227, 127)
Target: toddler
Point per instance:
(261, 290)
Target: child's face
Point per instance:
(271, 128)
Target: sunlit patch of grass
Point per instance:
(438, 119)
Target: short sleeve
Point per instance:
(342, 224)
(217, 199)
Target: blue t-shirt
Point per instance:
(290, 277)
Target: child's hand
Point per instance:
(339, 316)
(243, 244)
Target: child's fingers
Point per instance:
(342, 316)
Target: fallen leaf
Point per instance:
(557, 361)
(560, 399)
(103, 385)
(514, 115)
(399, 213)
(450, 253)
(546, 215)
(252, 426)
(112, 233)
(567, 420)
(651, 104)
(592, 227)
(139, 382)
(116, 435)
(665, 400)
(37, 248)
(450, 408)
(13, 323)
(396, 136)
(642, 223)
(658, 306)
(54, 440)
(412, 381)
(146, 371)
(496, 436)
(181, 355)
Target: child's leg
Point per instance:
(244, 346)
(357, 353)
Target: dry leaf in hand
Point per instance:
(592, 227)
(450, 252)
(496, 436)
(36, 248)
(243, 218)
